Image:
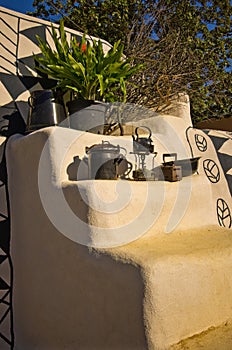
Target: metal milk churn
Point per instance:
(44, 110)
(106, 162)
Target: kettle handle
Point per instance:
(144, 127)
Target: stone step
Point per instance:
(219, 338)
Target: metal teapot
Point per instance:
(142, 145)
(106, 162)
(44, 110)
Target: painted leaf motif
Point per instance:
(223, 213)
(201, 142)
(211, 170)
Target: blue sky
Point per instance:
(18, 5)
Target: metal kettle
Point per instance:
(142, 145)
(44, 110)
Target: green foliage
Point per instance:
(105, 19)
(196, 55)
(85, 68)
(185, 46)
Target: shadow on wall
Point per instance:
(14, 124)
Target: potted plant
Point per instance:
(94, 76)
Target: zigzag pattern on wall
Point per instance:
(6, 267)
(222, 141)
(215, 150)
(18, 74)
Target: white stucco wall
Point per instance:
(145, 294)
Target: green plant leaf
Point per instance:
(84, 67)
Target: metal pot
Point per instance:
(44, 110)
(87, 115)
(106, 162)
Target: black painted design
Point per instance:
(6, 279)
(218, 141)
(223, 213)
(6, 286)
(201, 142)
(224, 159)
(229, 181)
(206, 131)
(211, 170)
(187, 138)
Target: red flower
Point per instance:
(83, 47)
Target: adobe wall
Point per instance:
(155, 258)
